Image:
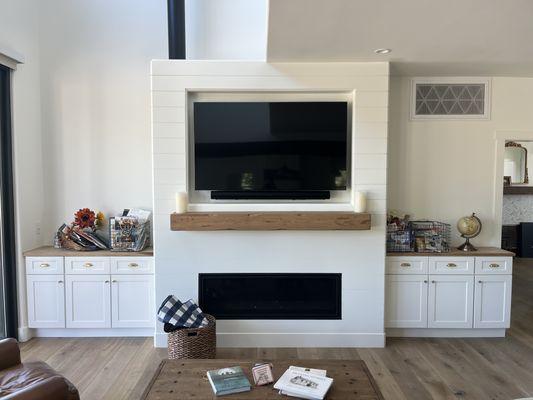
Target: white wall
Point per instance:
(95, 59)
(358, 255)
(226, 29)
(445, 169)
(19, 32)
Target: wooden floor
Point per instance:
(406, 369)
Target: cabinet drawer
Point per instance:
(407, 265)
(132, 265)
(494, 265)
(44, 265)
(87, 265)
(451, 265)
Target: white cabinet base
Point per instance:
(444, 333)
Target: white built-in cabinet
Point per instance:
(446, 292)
(90, 292)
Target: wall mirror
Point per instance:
(515, 163)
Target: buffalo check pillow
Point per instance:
(175, 314)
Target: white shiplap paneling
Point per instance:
(359, 256)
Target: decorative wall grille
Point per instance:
(449, 100)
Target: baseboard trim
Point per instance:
(24, 334)
(444, 333)
(291, 340)
(82, 332)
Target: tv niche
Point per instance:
(270, 150)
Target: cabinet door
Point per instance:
(406, 301)
(132, 300)
(492, 303)
(450, 301)
(88, 301)
(46, 301)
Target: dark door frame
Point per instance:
(8, 246)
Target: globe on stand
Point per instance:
(468, 227)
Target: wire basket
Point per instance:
(399, 240)
(431, 236)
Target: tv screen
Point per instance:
(270, 146)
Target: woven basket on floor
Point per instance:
(194, 342)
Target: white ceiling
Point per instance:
(427, 37)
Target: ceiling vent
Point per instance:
(450, 98)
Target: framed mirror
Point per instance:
(515, 163)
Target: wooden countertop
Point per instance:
(481, 252)
(49, 251)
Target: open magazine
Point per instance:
(305, 383)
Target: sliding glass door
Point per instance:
(8, 282)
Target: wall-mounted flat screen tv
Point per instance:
(270, 146)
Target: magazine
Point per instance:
(297, 383)
(228, 381)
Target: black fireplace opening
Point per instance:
(271, 296)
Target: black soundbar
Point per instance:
(267, 195)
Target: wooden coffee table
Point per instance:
(187, 379)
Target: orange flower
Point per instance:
(85, 218)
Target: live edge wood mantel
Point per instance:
(269, 221)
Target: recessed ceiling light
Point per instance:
(382, 51)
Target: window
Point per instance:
(8, 283)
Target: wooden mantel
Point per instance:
(269, 221)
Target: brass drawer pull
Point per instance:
(405, 264)
(494, 265)
(133, 265)
(44, 265)
(88, 265)
(451, 265)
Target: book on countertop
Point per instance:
(228, 381)
(300, 382)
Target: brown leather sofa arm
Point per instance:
(54, 388)
(9, 353)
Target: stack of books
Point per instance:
(228, 381)
(304, 383)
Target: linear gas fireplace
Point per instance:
(270, 296)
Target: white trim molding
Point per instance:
(369, 340)
(10, 58)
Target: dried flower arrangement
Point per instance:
(82, 234)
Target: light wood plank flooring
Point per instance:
(120, 368)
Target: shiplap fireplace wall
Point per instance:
(358, 255)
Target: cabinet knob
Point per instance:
(425, 281)
(44, 265)
(106, 281)
(59, 282)
(451, 265)
(432, 281)
(114, 281)
(479, 281)
(405, 264)
(88, 265)
(133, 265)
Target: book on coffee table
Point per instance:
(302, 383)
(228, 381)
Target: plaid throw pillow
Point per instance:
(175, 314)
